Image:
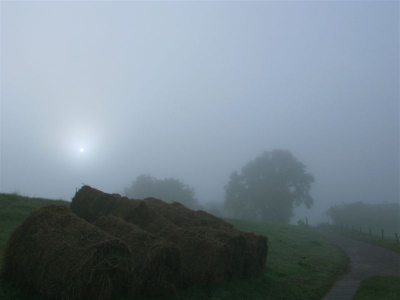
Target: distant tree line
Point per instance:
(359, 214)
(268, 188)
(168, 189)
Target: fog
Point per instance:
(195, 90)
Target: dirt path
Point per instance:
(366, 260)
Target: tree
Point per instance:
(169, 190)
(269, 187)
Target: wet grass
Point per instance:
(378, 288)
(300, 264)
(387, 243)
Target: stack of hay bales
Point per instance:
(212, 250)
(57, 254)
(112, 244)
(157, 262)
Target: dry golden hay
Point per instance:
(255, 255)
(204, 260)
(91, 204)
(123, 207)
(183, 217)
(241, 253)
(157, 262)
(247, 251)
(60, 256)
(148, 219)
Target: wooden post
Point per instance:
(370, 232)
(397, 237)
(306, 221)
(352, 228)
(383, 236)
(360, 230)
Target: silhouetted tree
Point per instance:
(169, 190)
(268, 188)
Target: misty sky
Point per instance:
(195, 90)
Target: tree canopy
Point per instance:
(269, 187)
(169, 190)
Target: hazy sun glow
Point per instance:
(81, 150)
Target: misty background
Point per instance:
(195, 90)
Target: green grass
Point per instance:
(387, 243)
(300, 264)
(13, 208)
(378, 288)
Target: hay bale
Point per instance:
(157, 262)
(184, 217)
(123, 207)
(204, 259)
(243, 253)
(60, 256)
(91, 204)
(255, 254)
(148, 219)
(247, 253)
(236, 244)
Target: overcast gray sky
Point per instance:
(195, 90)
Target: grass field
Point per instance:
(300, 264)
(387, 243)
(378, 288)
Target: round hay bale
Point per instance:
(203, 259)
(91, 204)
(255, 254)
(247, 251)
(236, 244)
(123, 207)
(157, 262)
(60, 256)
(184, 217)
(148, 219)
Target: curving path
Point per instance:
(366, 260)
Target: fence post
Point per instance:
(397, 237)
(352, 228)
(306, 221)
(360, 230)
(383, 236)
(370, 232)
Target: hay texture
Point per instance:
(204, 259)
(60, 256)
(247, 251)
(149, 219)
(183, 217)
(91, 204)
(157, 263)
(211, 249)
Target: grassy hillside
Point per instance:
(388, 243)
(300, 265)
